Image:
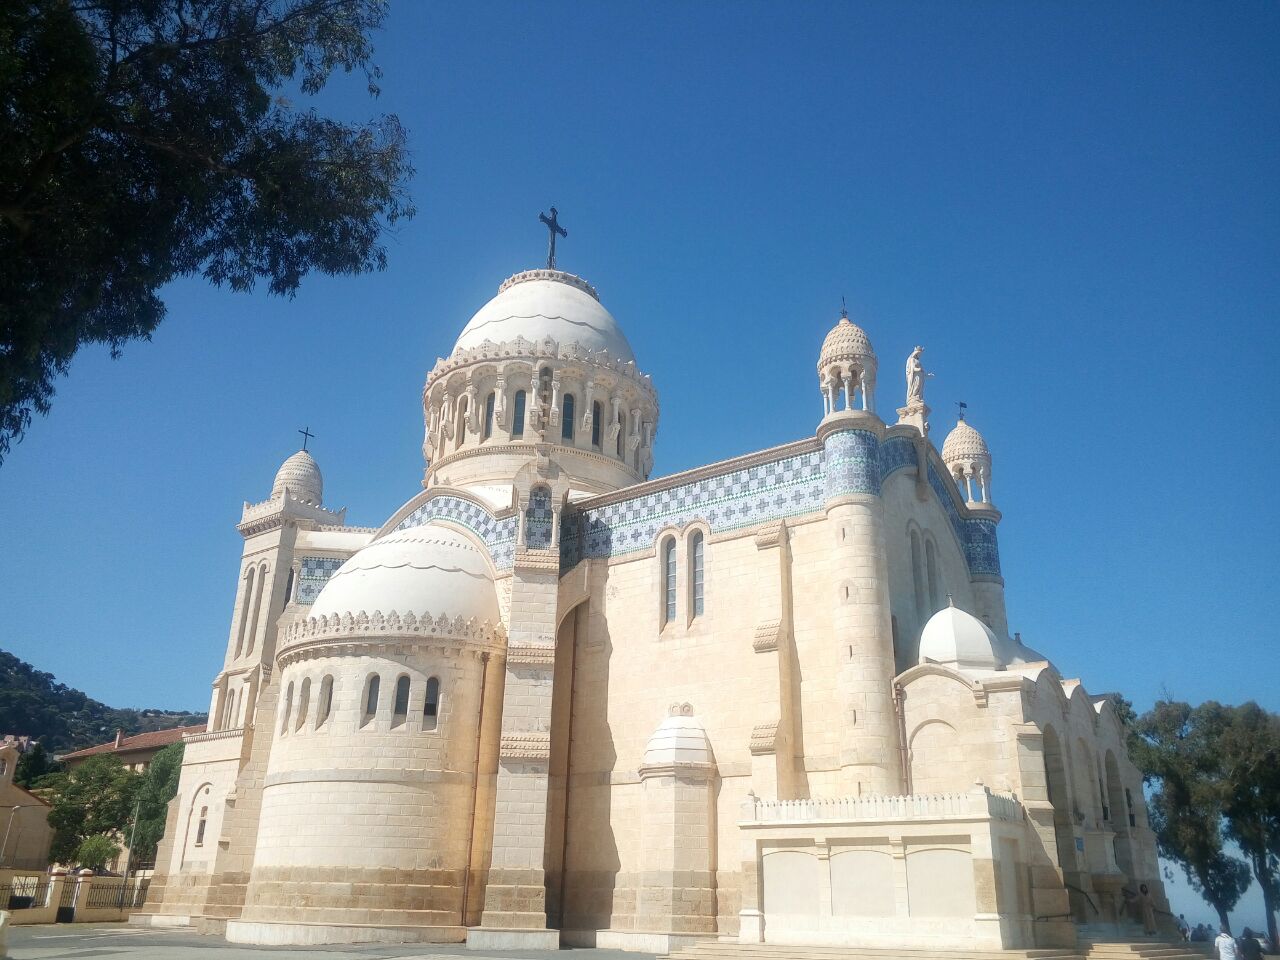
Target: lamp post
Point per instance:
(4, 846)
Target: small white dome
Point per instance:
(846, 343)
(301, 474)
(431, 569)
(680, 740)
(537, 304)
(959, 639)
(964, 443)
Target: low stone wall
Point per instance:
(80, 898)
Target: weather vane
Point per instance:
(963, 407)
(553, 227)
(844, 309)
(306, 435)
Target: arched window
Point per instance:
(668, 580)
(288, 708)
(566, 418)
(204, 819)
(596, 413)
(935, 579)
(622, 430)
(400, 706)
(697, 576)
(371, 699)
(917, 577)
(431, 706)
(304, 702)
(517, 416)
(1128, 802)
(257, 607)
(488, 414)
(244, 609)
(326, 701)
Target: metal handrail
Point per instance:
(1093, 906)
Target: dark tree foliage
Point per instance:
(97, 797)
(1247, 747)
(34, 704)
(33, 766)
(145, 140)
(159, 786)
(1177, 756)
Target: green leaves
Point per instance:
(159, 786)
(96, 797)
(1216, 773)
(148, 140)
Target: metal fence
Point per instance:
(120, 896)
(24, 893)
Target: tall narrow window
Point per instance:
(288, 588)
(1128, 802)
(935, 581)
(917, 578)
(566, 418)
(488, 415)
(668, 580)
(257, 607)
(697, 575)
(304, 703)
(326, 701)
(244, 609)
(204, 818)
(288, 709)
(431, 707)
(596, 413)
(400, 707)
(371, 699)
(517, 415)
(622, 430)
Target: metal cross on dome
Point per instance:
(306, 435)
(553, 227)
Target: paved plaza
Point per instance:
(88, 941)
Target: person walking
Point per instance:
(1225, 945)
(1184, 928)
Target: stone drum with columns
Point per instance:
(551, 700)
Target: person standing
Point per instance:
(1184, 928)
(1148, 910)
(1225, 945)
(1250, 948)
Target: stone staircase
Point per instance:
(1091, 947)
(731, 950)
(1140, 947)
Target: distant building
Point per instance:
(136, 752)
(24, 826)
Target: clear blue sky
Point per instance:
(1074, 207)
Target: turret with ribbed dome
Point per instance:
(300, 475)
(969, 461)
(543, 366)
(846, 367)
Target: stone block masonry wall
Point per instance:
(515, 895)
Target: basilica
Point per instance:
(554, 700)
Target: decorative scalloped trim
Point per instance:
(362, 623)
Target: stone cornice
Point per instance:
(213, 735)
(272, 513)
(362, 630)
(850, 420)
(525, 745)
(529, 448)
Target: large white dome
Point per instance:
(538, 304)
(431, 569)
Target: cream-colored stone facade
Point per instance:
(553, 700)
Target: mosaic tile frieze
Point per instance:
(851, 463)
(739, 498)
(896, 454)
(315, 573)
(538, 517)
(499, 536)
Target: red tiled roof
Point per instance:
(143, 741)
